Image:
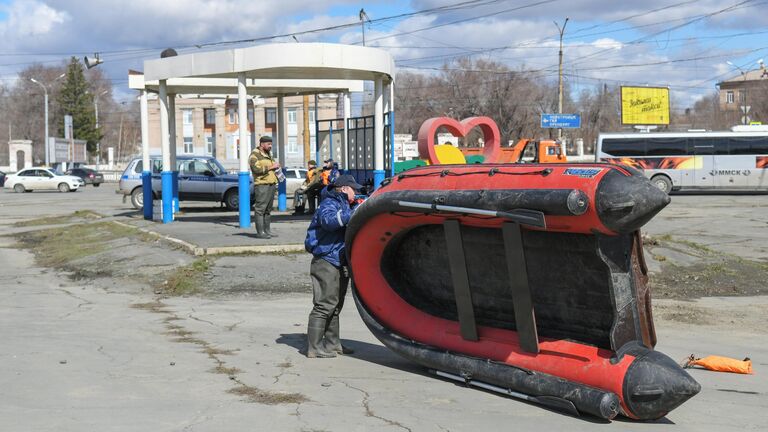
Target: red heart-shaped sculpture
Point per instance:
(491, 136)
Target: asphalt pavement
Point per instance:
(79, 356)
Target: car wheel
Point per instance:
(137, 198)
(663, 183)
(18, 188)
(63, 187)
(96, 184)
(232, 200)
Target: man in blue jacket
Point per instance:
(330, 277)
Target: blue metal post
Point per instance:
(146, 187)
(282, 201)
(330, 139)
(244, 198)
(175, 190)
(166, 183)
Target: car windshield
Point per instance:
(217, 168)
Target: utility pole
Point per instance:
(560, 75)
(305, 117)
(96, 111)
(363, 18)
(744, 92)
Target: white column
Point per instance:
(347, 106)
(392, 95)
(164, 138)
(172, 128)
(242, 113)
(145, 131)
(378, 126)
(281, 130)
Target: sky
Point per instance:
(685, 45)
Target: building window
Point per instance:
(293, 145)
(292, 116)
(189, 146)
(312, 116)
(742, 96)
(210, 117)
(209, 143)
(729, 97)
(186, 115)
(271, 115)
(250, 116)
(232, 115)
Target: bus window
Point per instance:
(739, 146)
(624, 147)
(666, 146)
(760, 145)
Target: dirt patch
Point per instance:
(186, 280)
(221, 369)
(731, 276)
(690, 270)
(78, 216)
(256, 395)
(57, 247)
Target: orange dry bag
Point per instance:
(721, 364)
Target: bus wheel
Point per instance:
(663, 183)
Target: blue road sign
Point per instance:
(565, 121)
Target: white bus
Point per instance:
(703, 160)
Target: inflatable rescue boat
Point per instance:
(524, 279)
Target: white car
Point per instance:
(294, 177)
(30, 179)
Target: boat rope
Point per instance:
(490, 173)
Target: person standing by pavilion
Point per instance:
(264, 169)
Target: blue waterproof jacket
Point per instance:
(325, 236)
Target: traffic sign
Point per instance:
(565, 121)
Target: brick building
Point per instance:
(210, 127)
(745, 91)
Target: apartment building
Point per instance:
(210, 127)
(744, 92)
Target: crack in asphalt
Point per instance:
(369, 412)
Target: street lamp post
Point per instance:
(45, 102)
(744, 89)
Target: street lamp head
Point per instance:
(730, 63)
(91, 62)
(34, 81)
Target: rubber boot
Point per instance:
(315, 348)
(267, 229)
(332, 339)
(260, 231)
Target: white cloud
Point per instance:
(27, 19)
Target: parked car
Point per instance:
(88, 175)
(294, 177)
(201, 178)
(40, 178)
(2, 178)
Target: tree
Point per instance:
(76, 100)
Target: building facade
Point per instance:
(210, 127)
(743, 97)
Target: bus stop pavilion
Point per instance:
(274, 70)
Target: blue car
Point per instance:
(201, 178)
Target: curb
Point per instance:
(195, 250)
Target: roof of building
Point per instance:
(752, 75)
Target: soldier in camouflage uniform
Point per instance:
(263, 168)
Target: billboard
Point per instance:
(644, 105)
